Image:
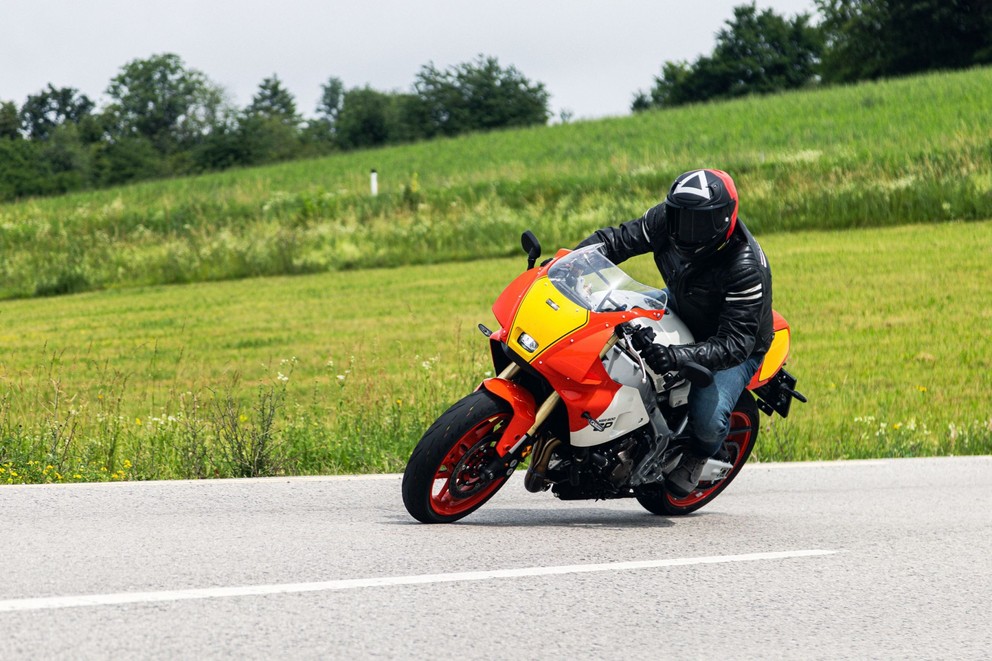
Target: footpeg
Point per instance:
(715, 470)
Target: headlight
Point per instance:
(527, 342)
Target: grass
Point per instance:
(877, 154)
(342, 372)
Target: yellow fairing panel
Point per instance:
(547, 316)
(777, 353)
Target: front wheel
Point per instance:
(443, 481)
(736, 450)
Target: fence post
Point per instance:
(374, 182)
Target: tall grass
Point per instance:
(887, 153)
(343, 372)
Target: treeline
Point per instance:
(165, 119)
(760, 52)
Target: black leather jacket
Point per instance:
(726, 300)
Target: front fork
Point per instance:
(527, 419)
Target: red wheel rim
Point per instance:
(463, 464)
(739, 438)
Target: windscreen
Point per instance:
(591, 280)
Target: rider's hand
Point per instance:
(659, 358)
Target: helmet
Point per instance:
(701, 210)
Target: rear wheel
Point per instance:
(443, 481)
(736, 450)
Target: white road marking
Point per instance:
(49, 603)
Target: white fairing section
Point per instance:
(624, 414)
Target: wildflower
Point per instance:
(127, 463)
(137, 421)
(282, 377)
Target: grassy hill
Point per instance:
(341, 371)
(909, 150)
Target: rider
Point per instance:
(720, 285)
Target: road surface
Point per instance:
(866, 559)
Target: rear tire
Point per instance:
(443, 482)
(736, 450)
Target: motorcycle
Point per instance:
(574, 397)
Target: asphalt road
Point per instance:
(871, 559)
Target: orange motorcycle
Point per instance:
(574, 396)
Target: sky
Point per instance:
(591, 56)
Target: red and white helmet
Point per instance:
(701, 211)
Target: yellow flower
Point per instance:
(137, 421)
(921, 388)
(127, 463)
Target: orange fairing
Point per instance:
(563, 340)
(777, 354)
(523, 410)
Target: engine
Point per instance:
(600, 472)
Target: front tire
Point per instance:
(736, 450)
(443, 481)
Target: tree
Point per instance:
(42, 113)
(756, 53)
(161, 100)
(331, 98)
(10, 124)
(479, 96)
(273, 101)
(363, 120)
(868, 39)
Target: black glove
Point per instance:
(659, 358)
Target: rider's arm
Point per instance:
(635, 237)
(746, 292)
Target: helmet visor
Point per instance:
(696, 228)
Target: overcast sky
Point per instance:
(592, 56)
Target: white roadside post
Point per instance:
(374, 182)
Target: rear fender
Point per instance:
(524, 411)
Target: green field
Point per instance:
(342, 372)
(909, 150)
(193, 353)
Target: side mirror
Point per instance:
(697, 375)
(531, 246)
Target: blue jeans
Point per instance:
(710, 407)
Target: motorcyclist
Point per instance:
(720, 285)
